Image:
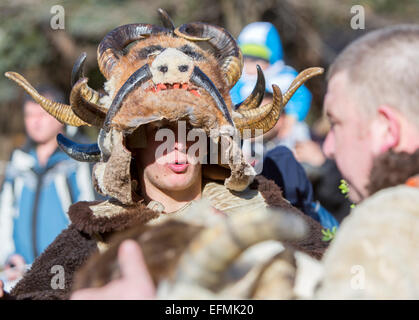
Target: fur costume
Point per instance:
(155, 75)
(375, 254)
(88, 233)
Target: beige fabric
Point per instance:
(231, 202)
(101, 245)
(222, 199)
(107, 209)
(375, 254)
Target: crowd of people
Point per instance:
(371, 104)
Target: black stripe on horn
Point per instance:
(79, 152)
(256, 97)
(166, 20)
(199, 78)
(134, 81)
(77, 72)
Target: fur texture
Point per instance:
(173, 104)
(168, 95)
(69, 250)
(375, 254)
(392, 169)
(163, 245)
(113, 218)
(75, 245)
(312, 244)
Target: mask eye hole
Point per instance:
(163, 69)
(183, 68)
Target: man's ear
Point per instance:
(389, 121)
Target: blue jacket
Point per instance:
(34, 201)
(280, 166)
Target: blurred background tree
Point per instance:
(312, 32)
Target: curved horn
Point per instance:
(83, 108)
(134, 81)
(166, 20)
(110, 48)
(83, 99)
(265, 117)
(228, 52)
(79, 152)
(76, 74)
(214, 249)
(61, 112)
(256, 97)
(302, 77)
(200, 79)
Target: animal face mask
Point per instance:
(156, 74)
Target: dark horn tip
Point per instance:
(79, 152)
(259, 89)
(166, 20)
(77, 71)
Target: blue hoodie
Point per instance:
(34, 201)
(261, 40)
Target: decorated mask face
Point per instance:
(159, 74)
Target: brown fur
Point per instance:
(117, 177)
(162, 247)
(69, 250)
(175, 103)
(391, 169)
(75, 245)
(312, 244)
(163, 244)
(82, 218)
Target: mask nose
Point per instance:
(171, 66)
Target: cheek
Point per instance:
(156, 173)
(28, 124)
(49, 126)
(354, 155)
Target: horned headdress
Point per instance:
(159, 73)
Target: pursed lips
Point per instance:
(178, 167)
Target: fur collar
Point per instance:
(105, 217)
(108, 216)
